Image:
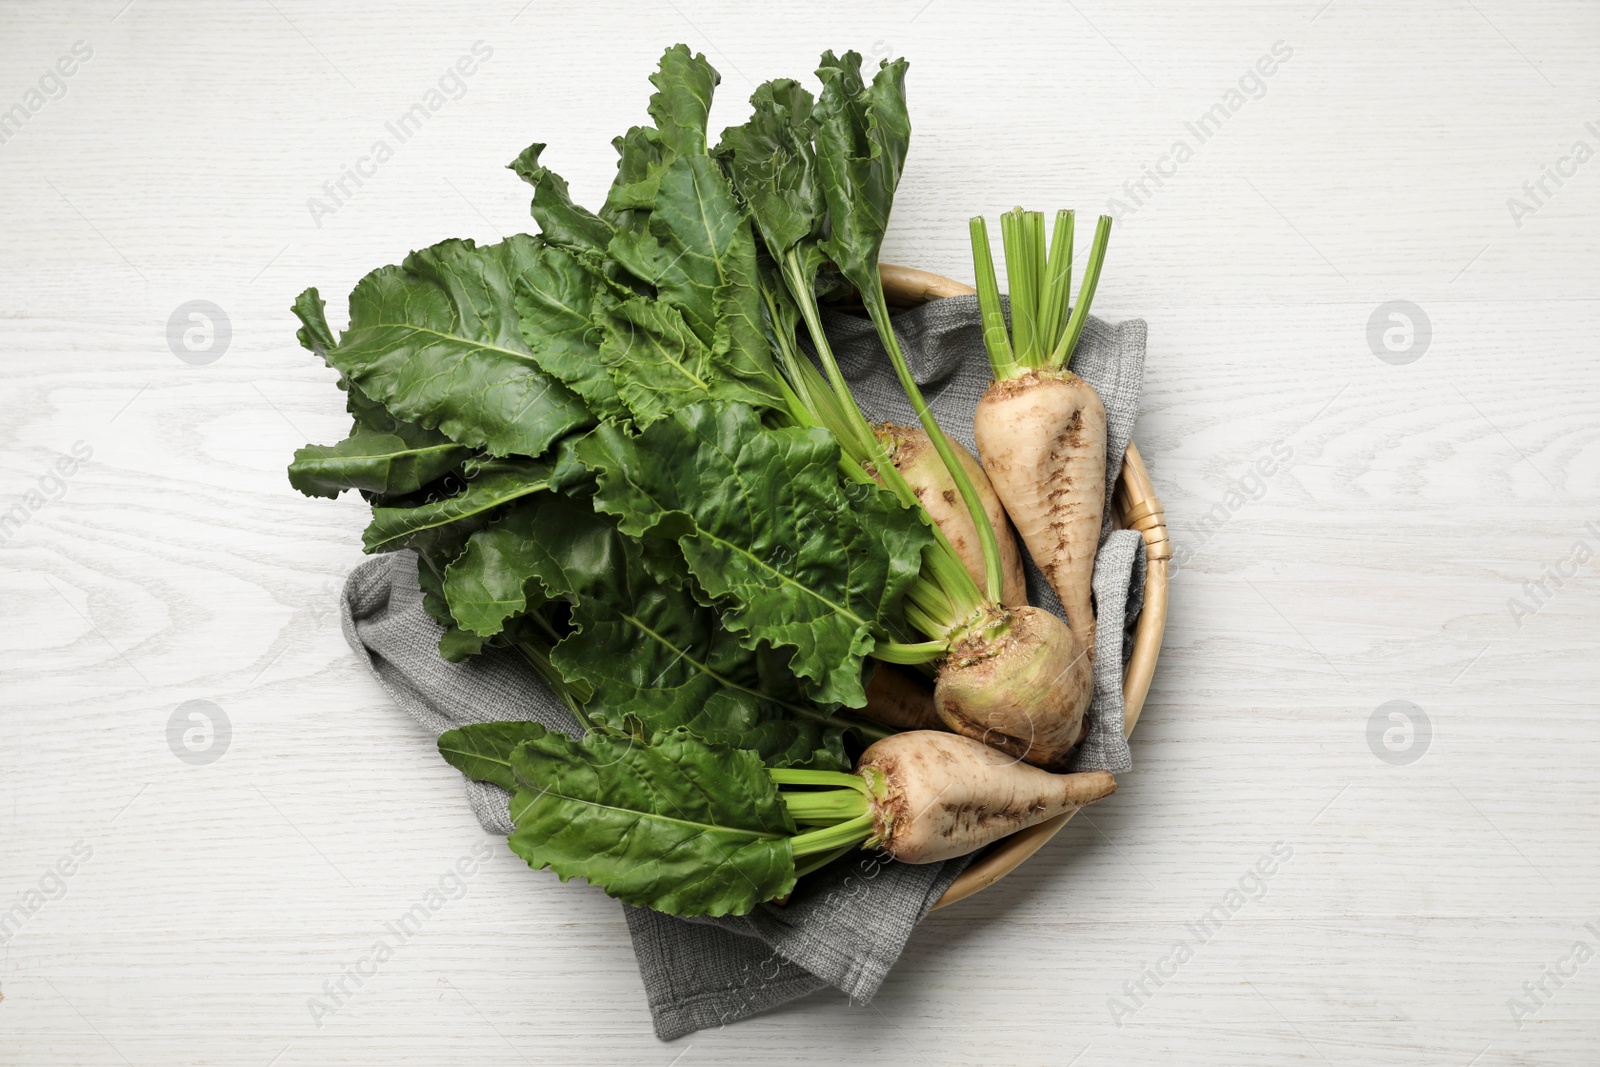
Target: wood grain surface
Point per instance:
(1425, 884)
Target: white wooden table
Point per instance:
(1434, 871)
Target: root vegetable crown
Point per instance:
(1022, 687)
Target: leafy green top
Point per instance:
(863, 132)
(795, 557)
(675, 825)
(438, 342)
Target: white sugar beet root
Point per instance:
(1022, 688)
(1042, 439)
(919, 464)
(939, 795)
(897, 697)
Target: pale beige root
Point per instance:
(898, 697)
(1042, 438)
(943, 795)
(919, 464)
(1024, 692)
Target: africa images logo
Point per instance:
(50, 86)
(1252, 85)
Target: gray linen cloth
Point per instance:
(846, 925)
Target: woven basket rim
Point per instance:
(1135, 506)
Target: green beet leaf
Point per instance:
(688, 238)
(680, 106)
(863, 132)
(382, 463)
(652, 654)
(311, 310)
(554, 546)
(699, 254)
(772, 164)
(797, 559)
(645, 649)
(641, 157)
(482, 751)
(667, 662)
(682, 101)
(455, 645)
(557, 299)
(487, 485)
(559, 219)
(658, 364)
(676, 825)
(654, 303)
(438, 341)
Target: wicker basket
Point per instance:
(1135, 507)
